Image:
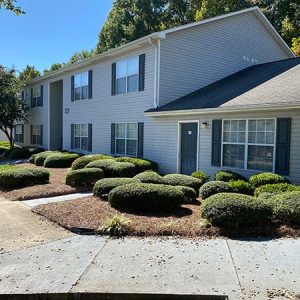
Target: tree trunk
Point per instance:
(10, 138)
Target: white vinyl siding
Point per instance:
(126, 139)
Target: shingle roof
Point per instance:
(270, 83)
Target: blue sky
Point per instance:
(50, 31)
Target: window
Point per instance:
(126, 139)
(81, 85)
(37, 134)
(19, 133)
(249, 144)
(127, 75)
(36, 97)
(81, 136)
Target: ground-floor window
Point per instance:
(37, 134)
(126, 139)
(19, 134)
(249, 144)
(81, 136)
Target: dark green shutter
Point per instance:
(31, 136)
(90, 84)
(90, 138)
(283, 139)
(41, 135)
(72, 136)
(216, 143)
(114, 79)
(140, 146)
(22, 136)
(112, 139)
(72, 88)
(31, 97)
(141, 72)
(40, 100)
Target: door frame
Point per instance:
(179, 131)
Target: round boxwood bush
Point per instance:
(226, 175)
(214, 187)
(101, 164)
(266, 178)
(62, 160)
(241, 187)
(276, 188)
(235, 210)
(185, 180)
(24, 152)
(144, 197)
(82, 161)
(201, 175)
(19, 177)
(41, 157)
(150, 177)
(141, 165)
(83, 177)
(189, 193)
(103, 186)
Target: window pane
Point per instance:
(132, 83)
(120, 130)
(36, 92)
(77, 80)
(270, 126)
(260, 138)
(227, 125)
(77, 142)
(84, 143)
(77, 93)
(133, 66)
(260, 158)
(120, 146)
(270, 138)
(84, 130)
(226, 136)
(252, 125)
(132, 130)
(121, 68)
(84, 92)
(233, 137)
(131, 147)
(233, 156)
(84, 79)
(121, 85)
(18, 129)
(242, 125)
(252, 137)
(241, 137)
(77, 130)
(234, 125)
(261, 125)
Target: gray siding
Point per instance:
(195, 57)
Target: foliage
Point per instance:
(144, 197)
(266, 178)
(226, 175)
(24, 152)
(116, 226)
(54, 67)
(296, 45)
(150, 177)
(185, 180)
(29, 73)
(10, 5)
(6, 167)
(189, 193)
(80, 56)
(241, 187)
(276, 188)
(234, 210)
(41, 157)
(83, 177)
(201, 175)
(141, 165)
(82, 161)
(19, 177)
(214, 187)
(61, 160)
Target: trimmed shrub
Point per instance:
(189, 193)
(276, 188)
(286, 207)
(201, 175)
(264, 196)
(266, 178)
(19, 177)
(104, 186)
(214, 187)
(82, 161)
(234, 210)
(41, 157)
(62, 160)
(144, 197)
(226, 175)
(24, 152)
(141, 165)
(185, 180)
(241, 187)
(150, 177)
(101, 164)
(83, 177)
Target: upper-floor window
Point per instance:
(37, 96)
(81, 84)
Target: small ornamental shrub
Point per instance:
(241, 187)
(264, 196)
(32, 158)
(150, 177)
(83, 177)
(226, 175)
(266, 178)
(103, 186)
(116, 226)
(214, 187)
(121, 169)
(62, 160)
(24, 152)
(101, 164)
(41, 157)
(189, 194)
(201, 175)
(141, 165)
(276, 188)
(82, 161)
(234, 210)
(185, 180)
(20, 177)
(144, 197)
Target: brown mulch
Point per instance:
(55, 187)
(90, 213)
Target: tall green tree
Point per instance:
(80, 56)
(296, 46)
(54, 67)
(10, 5)
(29, 73)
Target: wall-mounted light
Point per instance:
(67, 110)
(204, 125)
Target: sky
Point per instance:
(50, 31)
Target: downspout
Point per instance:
(155, 84)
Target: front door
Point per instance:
(188, 149)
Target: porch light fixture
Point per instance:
(204, 125)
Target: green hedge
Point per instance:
(83, 177)
(82, 161)
(266, 178)
(241, 187)
(235, 210)
(201, 175)
(276, 188)
(214, 187)
(104, 186)
(183, 180)
(150, 177)
(62, 160)
(226, 175)
(41, 157)
(144, 197)
(20, 177)
(24, 152)
(189, 194)
(141, 165)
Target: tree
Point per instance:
(80, 56)
(29, 73)
(296, 46)
(10, 5)
(13, 108)
(54, 67)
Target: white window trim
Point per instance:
(246, 144)
(81, 136)
(137, 139)
(81, 86)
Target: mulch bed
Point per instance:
(91, 213)
(55, 187)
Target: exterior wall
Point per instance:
(2, 136)
(195, 57)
